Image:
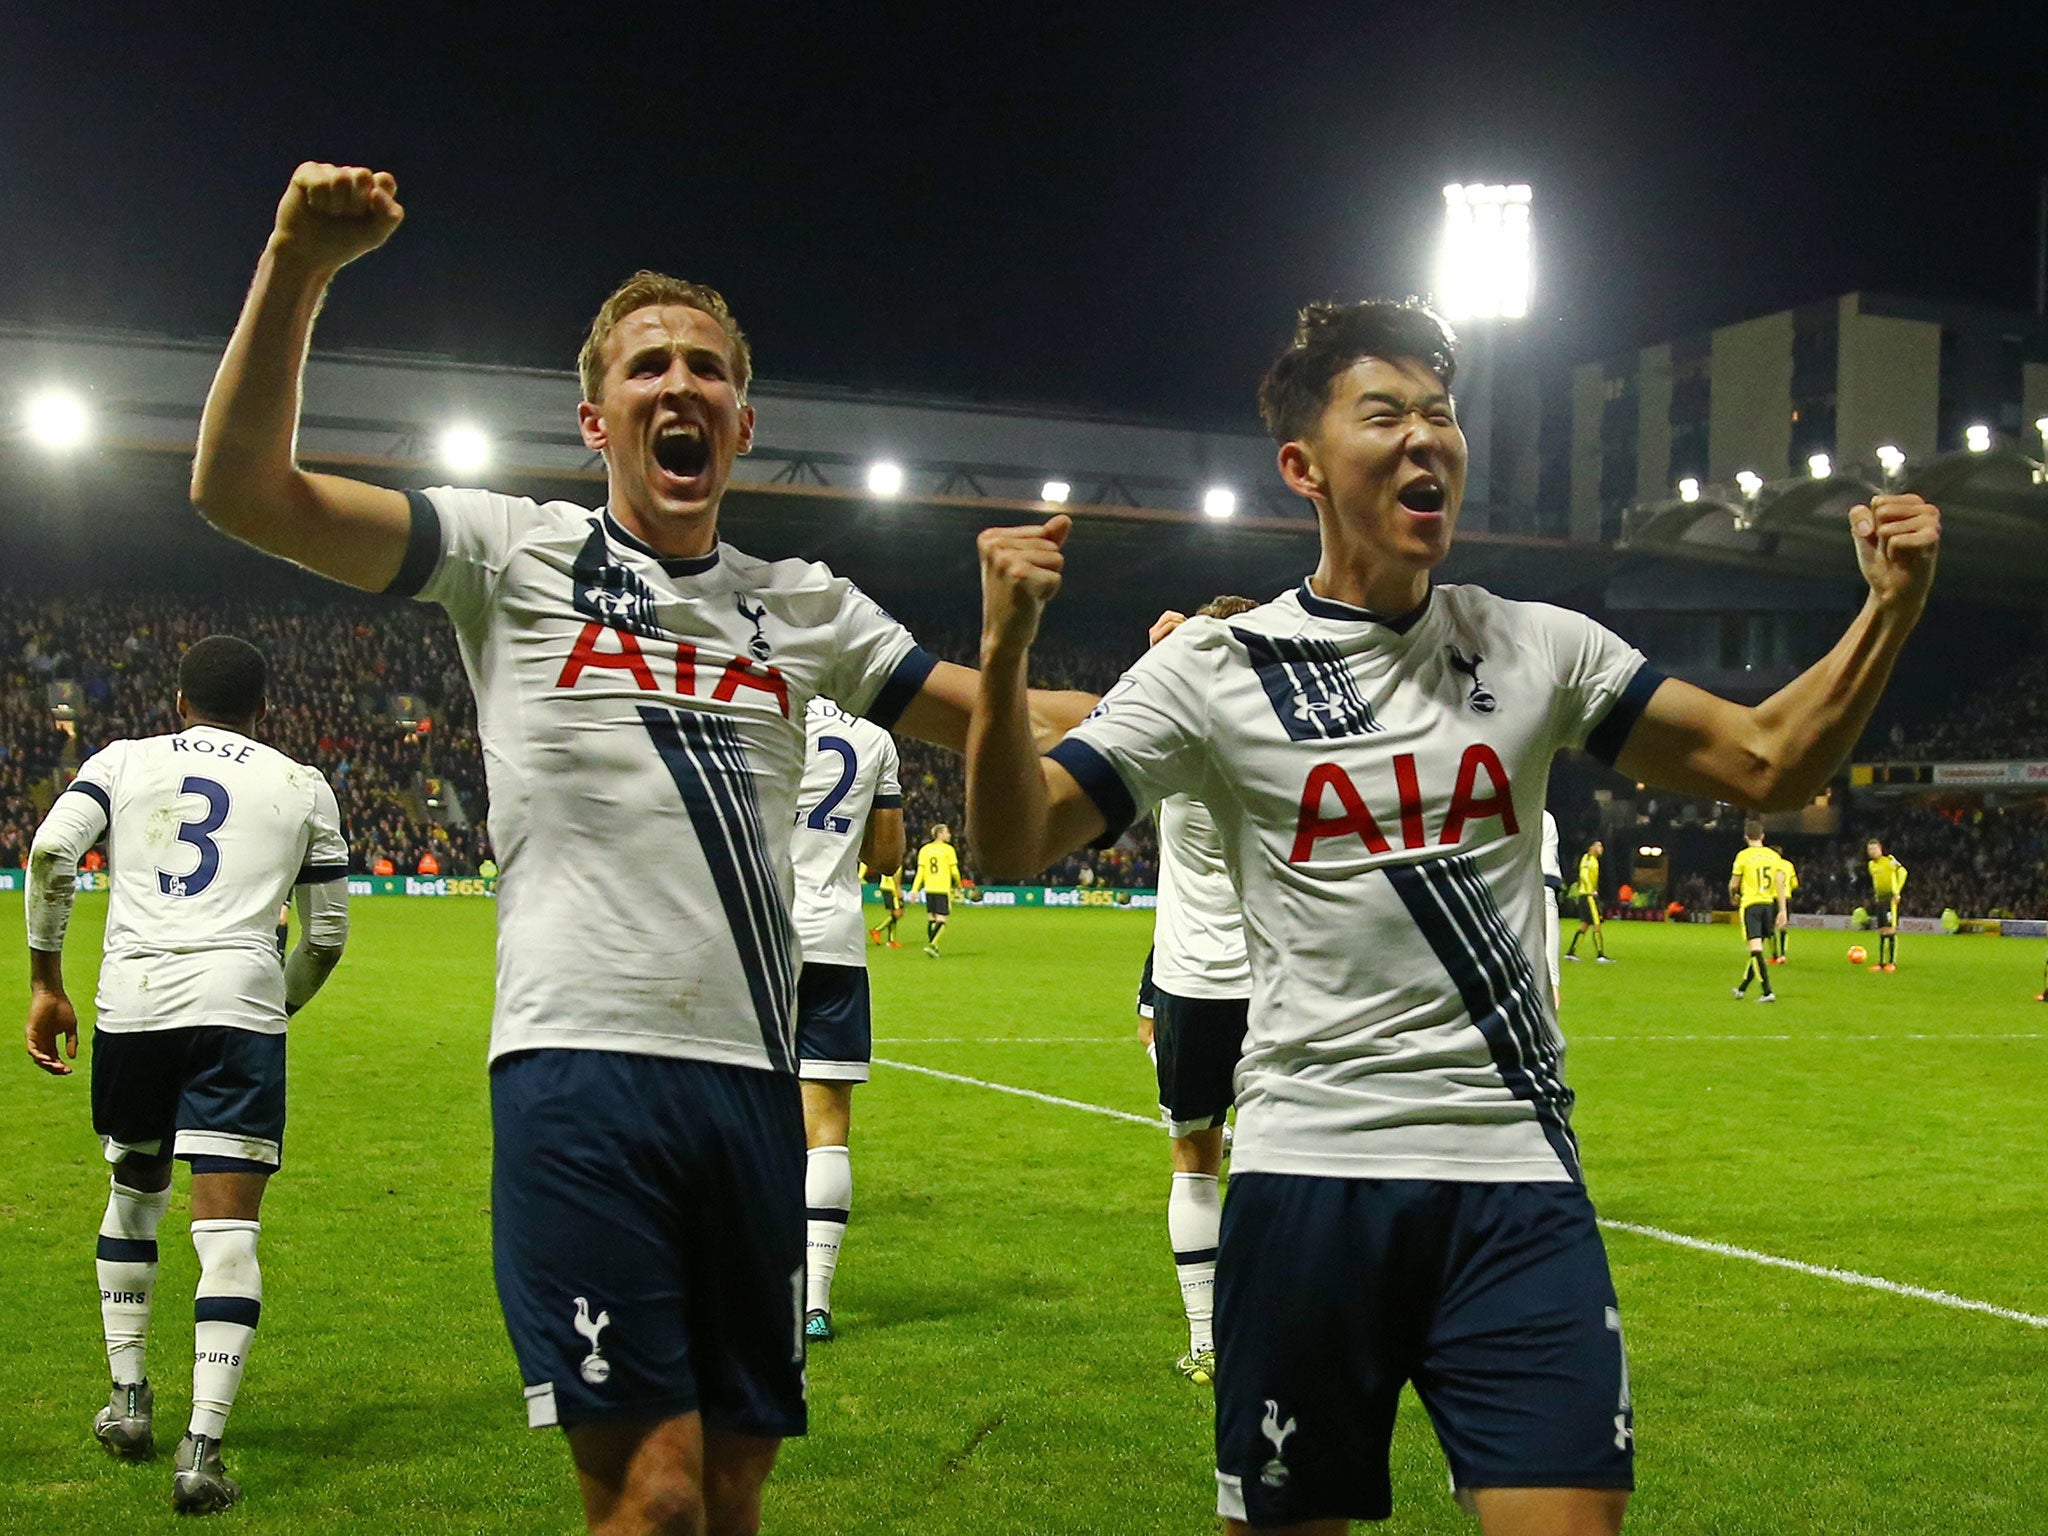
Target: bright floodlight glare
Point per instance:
(2041, 427)
(1891, 459)
(885, 478)
(1055, 491)
(1484, 266)
(1820, 466)
(465, 449)
(1977, 437)
(1688, 489)
(1219, 502)
(57, 419)
(1749, 481)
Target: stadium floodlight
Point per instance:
(1688, 489)
(2041, 427)
(1749, 482)
(1820, 466)
(1891, 459)
(1977, 437)
(1055, 491)
(885, 478)
(1484, 266)
(464, 448)
(57, 420)
(1219, 502)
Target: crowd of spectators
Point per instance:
(2006, 720)
(1980, 861)
(371, 694)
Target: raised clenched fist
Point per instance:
(1020, 574)
(1898, 538)
(331, 214)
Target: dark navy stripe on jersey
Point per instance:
(127, 1250)
(227, 1309)
(93, 793)
(1608, 737)
(1450, 903)
(886, 803)
(422, 548)
(1555, 882)
(704, 757)
(1330, 608)
(1310, 686)
(320, 874)
(902, 687)
(1101, 783)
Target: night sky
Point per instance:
(1109, 206)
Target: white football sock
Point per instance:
(828, 1201)
(224, 1316)
(127, 1272)
(1194, 1222)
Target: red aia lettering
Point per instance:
(627, 658)
(740, 673)
(1312, 826)
(1465, 807)
(686, 670)
(1410, 787)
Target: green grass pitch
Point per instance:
(1008, 1311)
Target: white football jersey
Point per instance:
(1378, 787)
(642, 727)
(207, 833)
(1198, 947)
(849, 769)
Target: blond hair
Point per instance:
(646, 290)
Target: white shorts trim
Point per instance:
(540, 1406)
(252, 1149)
(114, 1151)
(834, 1071)
(1229, 1496)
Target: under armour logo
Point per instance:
(617, 605)
(759, 644)
(1482, 702)
(595, 1368)
(1274, 1473)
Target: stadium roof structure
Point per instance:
(1994, 509)
(1134, 486)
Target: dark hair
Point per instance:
(1225, 607)
(222, 678)
(1753, 829)
(1329, 338)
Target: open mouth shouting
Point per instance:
(682, 451)
(1424, 496)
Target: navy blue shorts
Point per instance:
(1148, 994)
(210, 1094)
(835, 1037)
(1494, 1299)
(1759, 918)
(1196, 1043)
(648, 1238)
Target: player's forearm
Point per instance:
(1811, 724)
(306, 972)
(52, 888)
(46, 970)
(245, 465)
(1006, 795)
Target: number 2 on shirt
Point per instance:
(821, 818)
(199, 834)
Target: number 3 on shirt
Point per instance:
(821, 818)
(200, 835)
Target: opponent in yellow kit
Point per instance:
(1759, 893)
(938, 876)
(1589, 898)
(1887, 884)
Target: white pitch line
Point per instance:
(1150, 1121)
(1818, 1038)
(1699, 1244)
(1828, 1272)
